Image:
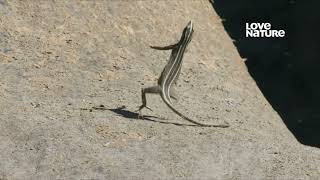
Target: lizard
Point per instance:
(170, 74)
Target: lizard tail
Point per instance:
(193, 121)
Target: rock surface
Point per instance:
(60, 59)
(286, 70)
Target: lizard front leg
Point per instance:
(165, 47)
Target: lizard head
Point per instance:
(190, 25)
(187, 33)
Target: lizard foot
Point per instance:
(140, 116)
(143, 106)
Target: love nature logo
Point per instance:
(257, 30)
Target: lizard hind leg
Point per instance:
(173, 94)
(144, 91)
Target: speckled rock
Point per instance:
(58, 59)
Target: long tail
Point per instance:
(193, 121)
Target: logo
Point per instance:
(262, 30)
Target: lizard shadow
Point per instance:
(133, 115)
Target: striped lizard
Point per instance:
(170, 75)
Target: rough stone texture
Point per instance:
(59, 57)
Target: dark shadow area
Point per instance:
(133, 115)
(287, 70)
